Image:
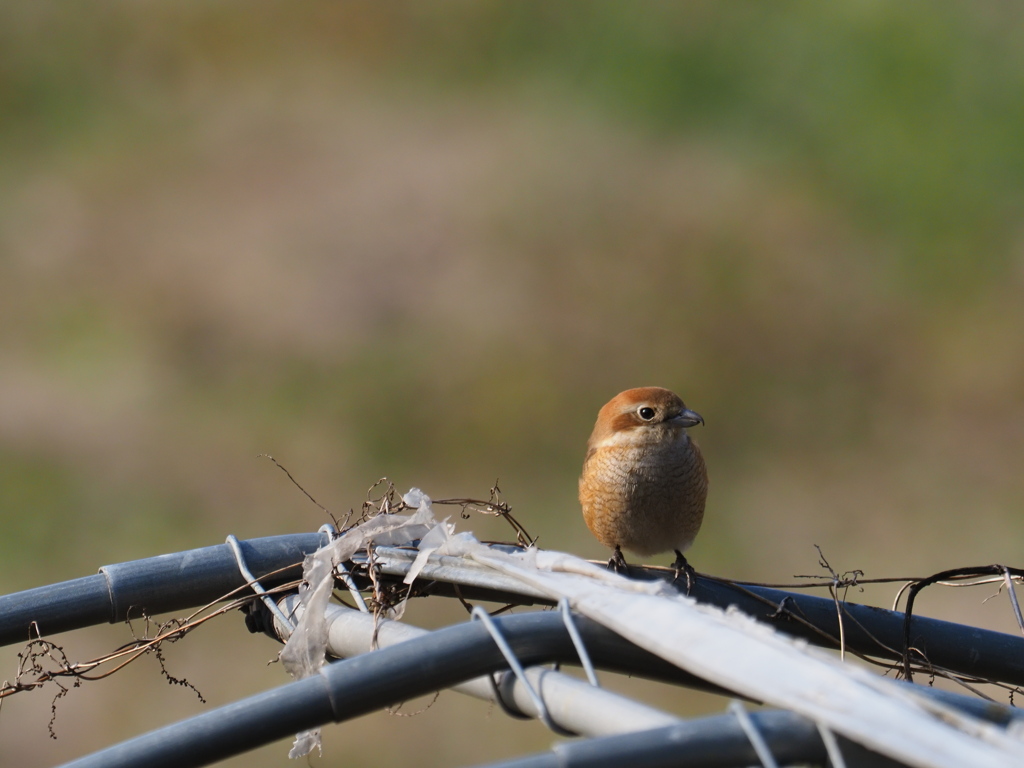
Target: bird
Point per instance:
(644, 481)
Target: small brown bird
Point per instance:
(644, 481)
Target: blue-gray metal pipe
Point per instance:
(872, 631)
(154, 585)
(573, 704)
(707, 742)
(354, 687)
(347, 689)
(877, 632)
(193, 578)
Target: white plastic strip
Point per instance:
(736, 652)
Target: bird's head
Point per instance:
(645, 413)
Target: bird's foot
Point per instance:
(681, 567)
(618, 562)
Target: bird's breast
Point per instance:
(647, 496)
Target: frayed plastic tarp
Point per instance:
(305, 651)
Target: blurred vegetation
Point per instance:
(429, 241)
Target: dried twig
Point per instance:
(42, 662)
(847, 580)
(309, 496)
(496, 507)
(387, 503)
(395, 710)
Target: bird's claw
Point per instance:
(681, 567)
(617, 563)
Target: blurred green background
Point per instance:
(429, 241)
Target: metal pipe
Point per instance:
(356, 686)
(350, 688)
(196, 577)
(573, 704)
(878, 632)
(707, 742)
(872, 631)
(154, 585)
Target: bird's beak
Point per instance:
(689, 418)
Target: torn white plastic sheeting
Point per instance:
(439, 541)
(740, 654)
(306, 649)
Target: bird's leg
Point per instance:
(618, 562)
(681, 566)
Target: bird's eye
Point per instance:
(646, 413)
